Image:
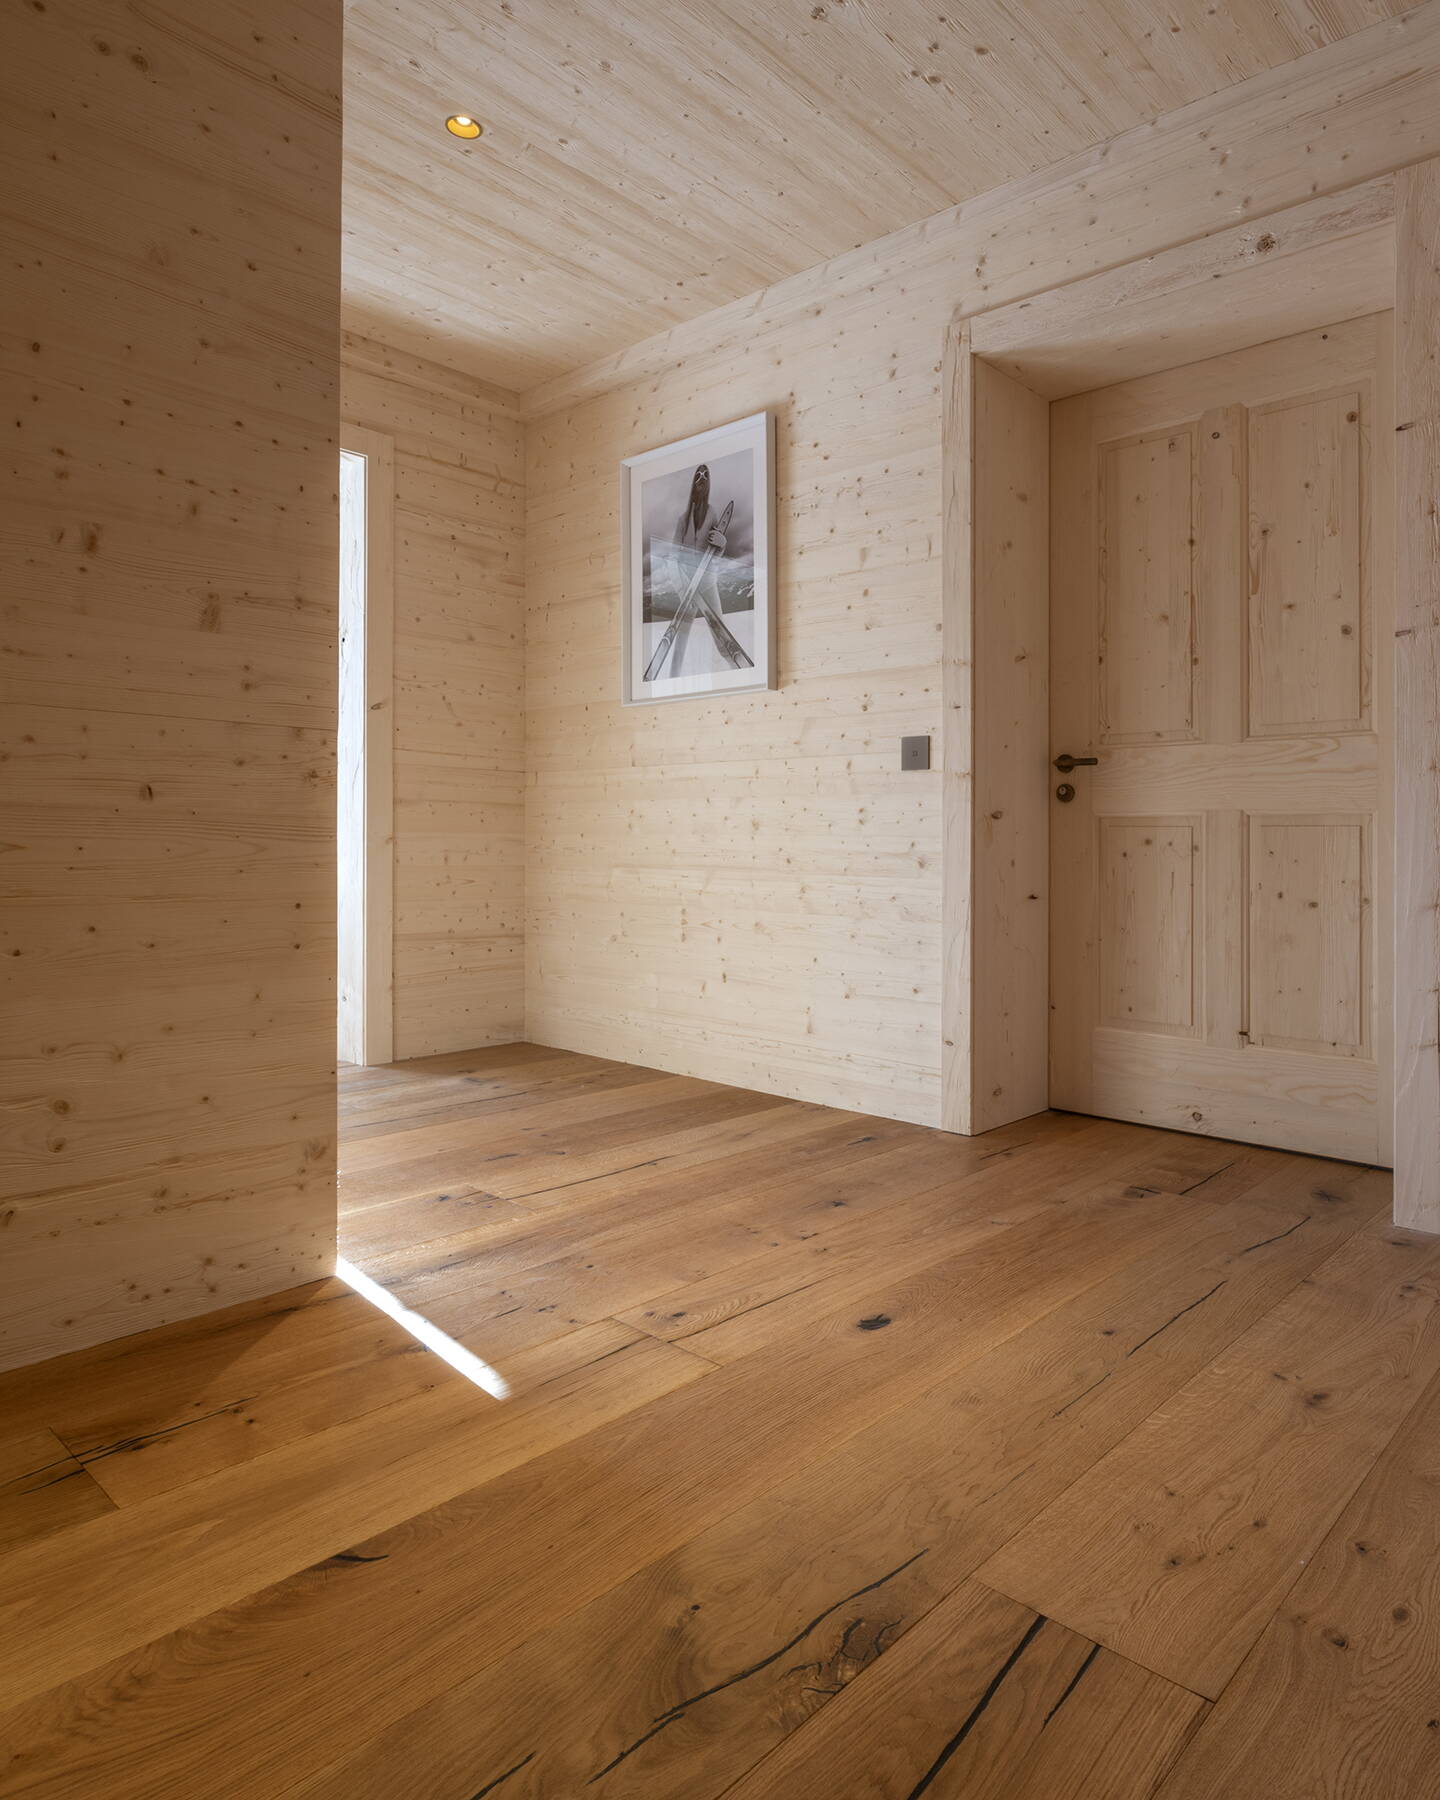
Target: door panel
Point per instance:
(1220, 601)
(1306, 618)
(1310, 903)
(1146, 591)
(1148, 923)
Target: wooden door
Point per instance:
(1221, 612)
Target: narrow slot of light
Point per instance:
(461, 125)
(466, 1362)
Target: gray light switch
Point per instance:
(915, 753)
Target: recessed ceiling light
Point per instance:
(461, 125)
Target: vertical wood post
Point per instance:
(1417, 697)
(957, 732)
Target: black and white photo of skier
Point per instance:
(698, 526)
(699, 567)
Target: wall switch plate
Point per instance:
(915, 753)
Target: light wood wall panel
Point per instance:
(459, 743)
(168, 620)
(749, 889)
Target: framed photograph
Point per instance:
(697, 547)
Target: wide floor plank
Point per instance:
(986, 1700)
(44, 1489)
(1341, 1696)
(1177, 1547)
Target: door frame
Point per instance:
(1370, 248)
(370, 776)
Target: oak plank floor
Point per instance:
(821, 1433)
(1179, 1545)
(1357, 1635)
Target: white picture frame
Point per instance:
(697, 543)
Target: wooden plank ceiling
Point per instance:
(646, 160)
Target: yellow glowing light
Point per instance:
(461, 125)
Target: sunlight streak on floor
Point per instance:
(472, 1367)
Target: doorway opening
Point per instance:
(364, 753)
(1016, 958)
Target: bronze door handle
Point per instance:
(1065, 762)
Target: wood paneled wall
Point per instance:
(746, 888)
(750, 890)
(167, 595)
(459, 741)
